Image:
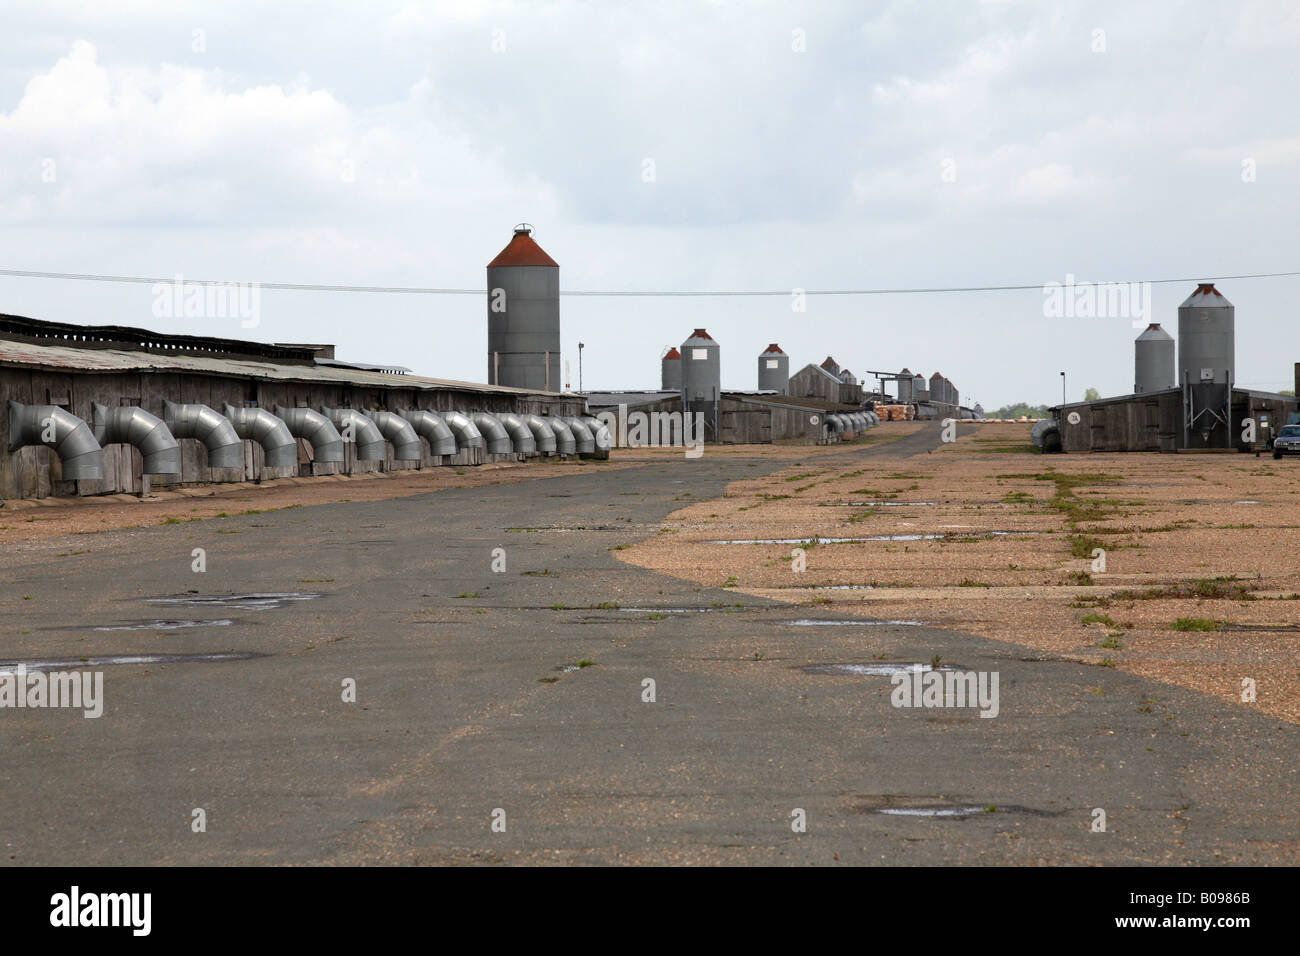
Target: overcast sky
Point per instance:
(820, 146)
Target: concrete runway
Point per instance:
(464, 706)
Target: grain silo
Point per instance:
(1153, 360)
(937, 394)
(905, 386)
(847, 377)
(523, 285)
(1206, 337)
(670, 371)
(919, 392)
(774, 370)
(702, 378)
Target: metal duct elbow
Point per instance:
(265, 428)
(494, 433)
(543, 435)
(433, 429)
(600, 432)
(565, 443)
(398, 431)
(313, 427)
(132, 425)
(209, 426)
(582, 436)
(521, 436)
(463, 427)
(837, 424)
(357, 428)
(72, 440)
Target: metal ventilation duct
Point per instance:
(262, 426)
(565, 442)
(463, 427)
(319, 431)
(521, 436)
(429, 426)
(225, 450)
(837, 424)
(600, 432)
(543, 435)
(364, 433)
(494, 433)
(132, 425)
(54, 427)
(583, 436)
(398, 431)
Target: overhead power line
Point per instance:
(418, 290)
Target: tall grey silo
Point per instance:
(774, 370)
(1153, 360)
(1207, 363)
(523, 285)
(702, 378)
(847, 377)
(904, 386)
(937, 394)
(1206, 337)
(952, 391)
(919, 393)
(670, 371)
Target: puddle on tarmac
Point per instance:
(1247, 502)
(254, 602)
(865, 622)
(874, 669)
(106, 660)
(934, 811)
(163, 625)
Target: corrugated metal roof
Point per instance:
(522, 250)
(65, 359)
(773, 349)
(672, 354)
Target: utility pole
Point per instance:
(580, 348)
(1062, 388)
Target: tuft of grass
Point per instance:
(547, 680)
(468, 594)
(968, 583)
(1098, 619)
(1112, 643)
(586, 663)
(1195, 624)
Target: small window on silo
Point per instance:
(699, 355)
(771, 363)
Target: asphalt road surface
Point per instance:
(470, 709)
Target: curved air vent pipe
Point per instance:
(261, 426)
(57, 428)
(319, 431)
(836, 423)
(565, 443)
(494, 433)
(582, 435)
(398, 431)
(466, 432)
(429, 426)
(365, 433)
(209, 426)
(521, 436)
(543, 435)
(600, 431)
(132, 425)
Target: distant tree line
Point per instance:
(1018, 410)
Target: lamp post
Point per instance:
(1062, 388)
(580, 348)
